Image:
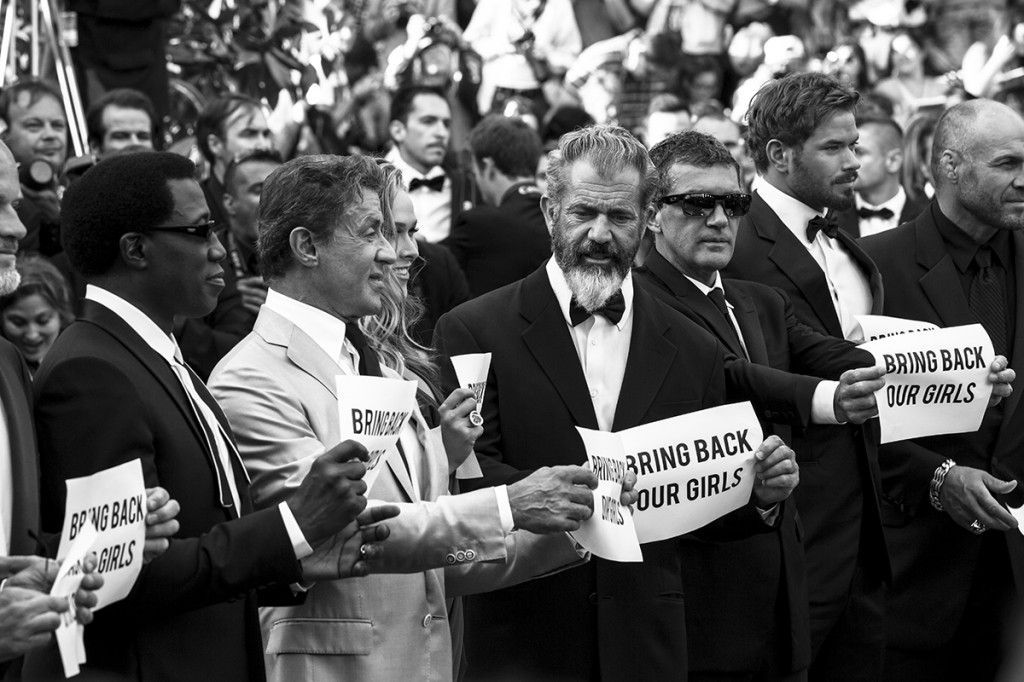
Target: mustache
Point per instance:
(8, 244)
(849, 177)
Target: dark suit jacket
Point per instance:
(740, 579)
(497, 245)
(839, 478)
(610, 620)
(103, 397)
(933, 558)
(440, 286)
(16, 400)
(849, 221)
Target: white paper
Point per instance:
(471, 371)
(69, 577)
(372, 412)
(935, 382)
(882, 326)
(609, 533)
(114, 502)
(692, 469)
(1017, 513)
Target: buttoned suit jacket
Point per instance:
(850, 221)
(103, 397)
(839, 477)
(279, 392)
(933, 558)
(745, 572)
(16, 402)
(607, 620)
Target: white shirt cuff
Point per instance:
(504, 508)
(823, 404)
(769, 515)
(299, 544)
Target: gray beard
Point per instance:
(9, 281)
(591, 287)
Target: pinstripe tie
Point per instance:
(988, 298)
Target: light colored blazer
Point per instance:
(277, 388)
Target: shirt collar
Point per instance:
(564, 294)
(895, 204)
(963, 249)
(793, 213)
(326, 330)
(394, 157)
(705, 289)
(140, 322)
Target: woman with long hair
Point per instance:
(37, 311)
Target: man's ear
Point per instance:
(949, 163)
(215, 144)
(779, 155)
(654, 220)
(228, 203)
(134, 248)
(894, 161)
(396, 129)
(550, 211)
(303, 247)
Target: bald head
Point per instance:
(963, 127)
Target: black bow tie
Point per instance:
(883, 213)
(435, 184)
(612, 309)
(829, 225)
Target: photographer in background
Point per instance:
(998, 74)
(36, 131)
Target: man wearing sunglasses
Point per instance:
(762, 578)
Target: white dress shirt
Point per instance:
(6, 485)
(328, 332)
(433, 209)
(876, 224)
(164, 345)
(601, 346)
(850, 289)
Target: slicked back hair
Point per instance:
(608, 149)
(691, 149)
(214, 116)
(791, 108)
(314, 192)
(510, 142)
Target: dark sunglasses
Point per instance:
(202, 230)
(702, 205)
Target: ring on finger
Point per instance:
(364, 549)
(475, 418)
(977, 527)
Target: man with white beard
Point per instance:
(576, 344)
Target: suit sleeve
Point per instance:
(90, 417)
(819, 354)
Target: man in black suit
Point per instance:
(881, 202)
(755, 588)
(953, 564)
(505, 239)
(113, 388)
(575, 343)
(802, 137)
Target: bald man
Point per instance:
(954, 547)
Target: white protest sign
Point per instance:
(1017, 513)
(114, 502)
(882, 326)
(935, 383)
(471, 371)
(372, 412)
(691, 469)
(609, 533)
(69, 633)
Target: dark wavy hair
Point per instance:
(510, 142)
(41, 277)
(692, 149)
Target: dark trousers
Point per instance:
(848, 636)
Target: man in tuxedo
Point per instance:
(803, 138)
(753, 588)
(440, 190)
(505, 239)
(119, 119)
(956, 551)
(113, 388)
(324, 248)
(577, 344)
(881, 202)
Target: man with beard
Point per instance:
(576, 344)
(960, 262)
(803, 137)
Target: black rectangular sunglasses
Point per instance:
(202, 230)
(702, 204)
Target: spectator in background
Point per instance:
(36, 133)
(667, 115)
(881, 201)
(506, 238)
(701, 81)
(728, 132)
(120, 119)
(615, 79)
(908, 86)
(225, 128)
(847, 63)
(701, 25)
(421, 131)
(782, 55)
(916, 177)
(558, 122)
(37, 311)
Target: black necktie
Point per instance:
(369, 366)
(612, 309)
(717, 297)
(829, 225)
(435, 184)
(988, 298)
(883, 213)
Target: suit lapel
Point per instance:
(849, 221)
(1012, 429)
(750, 326)
(940, 282)
(548, 338)
(649, 361)
(24, 471)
